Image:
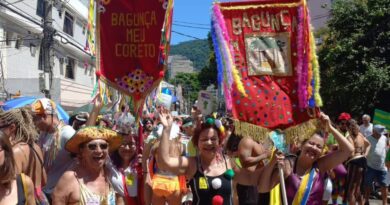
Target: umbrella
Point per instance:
(27, 100)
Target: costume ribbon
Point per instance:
(305, 187)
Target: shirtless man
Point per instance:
(87, 182)
(357, 164)
(251, 155)
(17, 124)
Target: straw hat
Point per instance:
(87, 134)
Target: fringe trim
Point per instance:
(303, 131)
(294, 134)
(257, 133)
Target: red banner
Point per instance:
(269, 44)
(132, 43)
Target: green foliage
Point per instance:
(189, 83)
(208, 74)
(197, 51)
(355, 57)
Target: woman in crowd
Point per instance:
(357, 164)
(305, 174)
(209, 173)
(17, 124)
(125, 159)
(14, 188)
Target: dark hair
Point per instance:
(116, 158)
(203, 127)
(7, 169)
(146, 120)
(233, 142)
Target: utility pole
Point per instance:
(47, 47)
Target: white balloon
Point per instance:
(216, 183)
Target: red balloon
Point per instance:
(217, 200)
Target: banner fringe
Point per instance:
(293, 134)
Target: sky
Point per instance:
(190, 13)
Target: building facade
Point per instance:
(21, 33)
(179, 64)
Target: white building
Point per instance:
(21, 33)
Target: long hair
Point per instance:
(22, 119)
(354, 127)
(7, 169)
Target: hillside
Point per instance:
(197, 51)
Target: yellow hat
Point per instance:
(43, 106)
(87, 134)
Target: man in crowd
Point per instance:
(366, 126)
(86, 183)
(376, 168)
(251, 155)
(53, 136)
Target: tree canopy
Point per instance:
(355, 57)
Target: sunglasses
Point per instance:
(93, 146)
(130, 144)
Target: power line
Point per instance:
(189, 36)
(200, 24)
(191, 26)
(28, 17)
(31, 17)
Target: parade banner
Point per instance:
(132, 46)
(267, 66)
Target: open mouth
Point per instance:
(311, 153)
(209, 149)
(98, 158)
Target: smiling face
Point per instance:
(94, 153)
(127, 149)
(208, 141)
(312, 148)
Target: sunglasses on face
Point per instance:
(94, 146)
(130, 144)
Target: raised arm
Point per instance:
(177, 165)
(335, 158)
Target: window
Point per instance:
(68, 24)
(41, 8)
(70, 64)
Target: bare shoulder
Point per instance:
(20, 148)
(67, 189)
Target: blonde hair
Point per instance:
(22, 119)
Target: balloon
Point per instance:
(217, 200)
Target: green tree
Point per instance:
(355, 57)
(195, 50)
(208, 74)
(189, 83)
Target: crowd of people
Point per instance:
(169, 159)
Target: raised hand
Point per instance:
(165, 117)
(325, 121)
